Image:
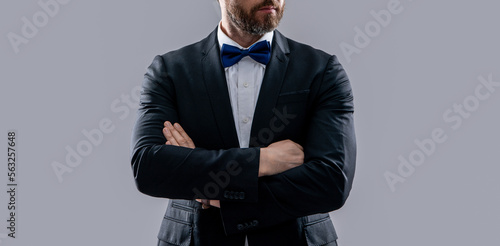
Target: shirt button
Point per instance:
(245, 120)
(245, 84)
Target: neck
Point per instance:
(239, 36)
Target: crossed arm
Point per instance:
(276, 158)
(317, 179)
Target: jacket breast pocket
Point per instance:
(177, 225)
(319, 230)
(293, 97)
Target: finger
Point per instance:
(299, 146)
(205, 203)
(215, 203)
(183, 133)
(169, 136)
(181, 141)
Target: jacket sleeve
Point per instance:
(322, 184)
(181, 173)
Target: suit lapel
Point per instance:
(216, 85)
(270, 89)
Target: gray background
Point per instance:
(428, 58)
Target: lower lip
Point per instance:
(267, 10)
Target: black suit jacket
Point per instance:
(305, 96)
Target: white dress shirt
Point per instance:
(244, 80)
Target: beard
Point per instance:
(249, 22)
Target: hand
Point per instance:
(209, 203)
(176, 136)
(279, 157)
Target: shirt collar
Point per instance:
(224, 39)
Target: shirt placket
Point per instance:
(246, 94)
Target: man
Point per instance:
(258, 140)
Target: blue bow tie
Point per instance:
(260, 52)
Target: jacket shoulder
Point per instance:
(305, 49)
(185, 54)
(190, 53)
(307, 57)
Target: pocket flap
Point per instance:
(175, 232)
(293, 96)
(320, 232)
